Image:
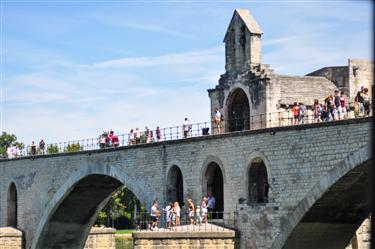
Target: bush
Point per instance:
(73, 147)
(52, 149)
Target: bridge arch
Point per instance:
(237, 110)
(175, 185)
(12, 205)
(353, 170)
(257, 178)
(213, 179)
(99, 180)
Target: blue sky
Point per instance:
(71, 69)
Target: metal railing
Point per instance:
(212, 221)
(253, 122)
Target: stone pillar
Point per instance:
(10, 238)
(101, 238)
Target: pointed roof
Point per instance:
(249, 21)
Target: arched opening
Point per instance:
(258, 186)
(70, 221)
(213, 183)
(333, 220)
(12, 206)
(175, 186)
(238, 111)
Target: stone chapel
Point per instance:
(251, 95)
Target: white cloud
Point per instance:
(72, 101)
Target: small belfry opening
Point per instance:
(258, 186)
(238, 111)
(12, 206)
(175, 185)
(213, 184)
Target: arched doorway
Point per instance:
(258, 186)
(213, 184)
(175, 185)
(238, 111)
(12, 206)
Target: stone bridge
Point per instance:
(317, 176)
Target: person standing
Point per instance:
(356, 107)
(366, 102)
(317, 111)
(336, 101)
(204, 210)
(33, 148)
(177, 212)
(302, 110)
(342, 106)
(168, 214)
(191, 211)
(158, 134)
(360, 100)
(42, 146)
(186, 127)
(217, 120)
(211, 203)
(154, 215)
(295, 111)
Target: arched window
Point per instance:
(238, 111)
(213, 185)
(258, 186)
(12, 206)
(175, 185)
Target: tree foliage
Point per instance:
(121, 205)
(73, 147)
(52, 149)
(6, 140)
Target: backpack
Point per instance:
(222, 117)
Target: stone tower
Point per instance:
(241, 88)
(242, 42)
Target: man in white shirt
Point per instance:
(217, 120)
(154, 215)
(186, 127)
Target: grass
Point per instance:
(126, 231)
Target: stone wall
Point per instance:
(101, 238)
(361, 73)
(338, 75)
(10, 238)
(178, 240)
(296, 158)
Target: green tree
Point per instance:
(120, 205)
(73, 147)
(6, 140)
(52, 149)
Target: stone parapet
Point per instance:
(185, 239)
(10, 238)
(101, 238)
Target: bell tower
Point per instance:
(242, 42)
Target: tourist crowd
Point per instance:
(335, 107)
(196, 214)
